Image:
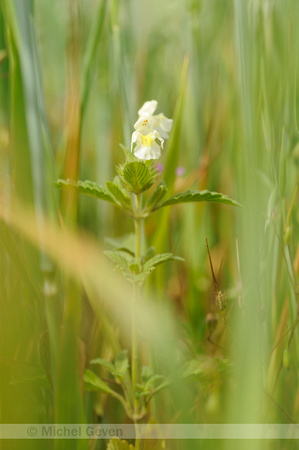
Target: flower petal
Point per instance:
(158, 136)
(162, 124)
(148, 108)
(147, 153)
(134, 139)
(144, 124)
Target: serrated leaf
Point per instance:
(128, 268)
(94, 383)
(159, 259)
(103, 362)
(157, 196)
(118, 194)
(88, 188)
(118, 259)
(117, 444)
(136, 176)
(197, 196)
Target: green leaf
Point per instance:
(128, 154)
(118, 259)
(152, 380)
(197, 196)
(117, 444)
(139, 278)
(129, 268)
(167, 382)
(159, 259)
(124, 243)
(157, 196)
(148, 377)
(121, 265)
(149, 254)
(136, 176)
(103, 362)
(121, 198)
(121, 364)
(93, 383)
(134, 268)
(142, 392)
(88, 188)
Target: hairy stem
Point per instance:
(136, 295)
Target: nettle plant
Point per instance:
(129, 192)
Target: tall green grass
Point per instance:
(72, 77)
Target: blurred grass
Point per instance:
(73, 79)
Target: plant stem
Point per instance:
(134, 365)
(136, 296)
(138, 228)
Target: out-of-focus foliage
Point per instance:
(73, 75)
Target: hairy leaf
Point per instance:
(123, 199)
(136, 176)
(88, 188)
(117, 258)
(157, 196)
(159, 259)
(129, 269)
(197, 196)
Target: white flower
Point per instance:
(147, 147)
(148, 109)
(159, 123)
(148, 128)
(162, 124)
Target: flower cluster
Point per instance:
(149, 129)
